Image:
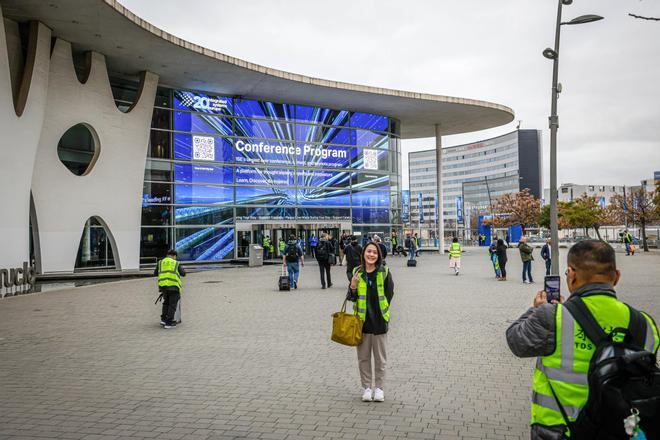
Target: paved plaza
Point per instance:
(251, 362)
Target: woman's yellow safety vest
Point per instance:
(566, 369)
(361, 304)
(168, 273)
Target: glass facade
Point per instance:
(215, 161)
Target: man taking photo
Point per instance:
(551, 332)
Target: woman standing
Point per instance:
(372, 288)
(501, 258)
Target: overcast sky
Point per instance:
(610, 70)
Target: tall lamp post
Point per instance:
(553, 54)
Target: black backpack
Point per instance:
(624, 380)
(322, 250)
(291, 253)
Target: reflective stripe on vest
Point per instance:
(168, 273)
(566, 369)
(361, 304)
(455, 250)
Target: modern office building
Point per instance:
(122, 141)
(568, 192)
(473, 176)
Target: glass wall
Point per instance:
(213, 160)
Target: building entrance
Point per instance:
(269, 236)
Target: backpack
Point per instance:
(322, 250)
(291, 253)
(408, 243)
(623, 378)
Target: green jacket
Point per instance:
(525, 252)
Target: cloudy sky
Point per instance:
(610, 70)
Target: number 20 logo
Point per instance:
(201, 103)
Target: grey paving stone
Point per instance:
(249, 362)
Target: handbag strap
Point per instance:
(343, 306)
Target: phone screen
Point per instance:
(551, 287)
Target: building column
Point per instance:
(438, 179)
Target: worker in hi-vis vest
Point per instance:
(169, 273)
(455, 255)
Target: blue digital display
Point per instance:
(205, 244)
(253, 151)
(324, 213)
(201, 102)
(323, 178)
(364, 180)
(203, 215)
(265, 196)
(371, 198)
(371, 215)
(325, 156)
(405, 206)
(320, 197)
(203, 123)
(203, 194)
(253, 128)
(249, 175)
(262, 109)
(369, 121)
(208, 148)
(315, 115)
(276, 213)
(193, 173)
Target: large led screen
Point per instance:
(320, 197)
(246, 195)
(323, 178)
(193, 173)
(203, 215)
(203, 148)
(203, 194)
(249, 175)
(204, 244)
(369, 121)
(201, 102)
(253, 151)
(262, 109)
(325, 156)
(203, 123)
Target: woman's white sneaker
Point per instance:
(366, 395)
(379, 395)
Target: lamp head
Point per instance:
(566, 2)
(550, 54)
(582, 19)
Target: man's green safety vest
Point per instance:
(168, 273)
(282, 246)
(566, 369)
(361, 305)
(455, 250)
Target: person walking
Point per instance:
(395, 244)
(343, 242)
(372, 290)
(334, 250)
(527, 258)
(293, 260)
(507, 240)
(169, 273)
(546, 254)
(313, 242)
(411, 246)
(323, 253)
(353, 256)
(418, 248)
(628, 242)
(500, 251)
(455, 252)
(551, 332)
(492, 253)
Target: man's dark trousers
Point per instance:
(324, 268)
(548, 265)
(171, 298)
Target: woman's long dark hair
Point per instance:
(380, 256)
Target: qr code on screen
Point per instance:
(370, 159)
(203, 148)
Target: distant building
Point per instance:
(474, 175)
(568, 192)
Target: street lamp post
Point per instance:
(553, 54)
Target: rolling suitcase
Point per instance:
(412, 263)
(283, 282)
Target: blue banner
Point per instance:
(437, 209)
(459, 210)
(405, 206)
(601, 202)
(421, 209)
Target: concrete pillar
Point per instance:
(438, 167)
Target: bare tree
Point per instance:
(520, 208)
(640, 206)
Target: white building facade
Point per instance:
(473, 175)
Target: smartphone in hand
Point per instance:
(551, 285)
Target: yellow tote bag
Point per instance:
(346, 328)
